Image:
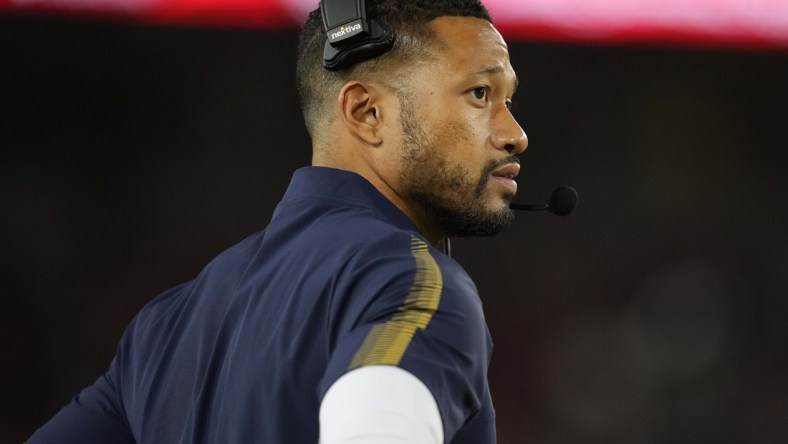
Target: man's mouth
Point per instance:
(505, 176)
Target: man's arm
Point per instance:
(379, 405)
(93, 416)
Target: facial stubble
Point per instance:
(443, 187)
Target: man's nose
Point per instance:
(509, 136)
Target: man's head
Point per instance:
(427, 123)
(317, 87)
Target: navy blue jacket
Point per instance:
(244, 353)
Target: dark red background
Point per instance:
(131, 155)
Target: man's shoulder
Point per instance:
(400, 267)
(385, 243)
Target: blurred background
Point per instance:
(136, 144)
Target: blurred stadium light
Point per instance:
(761, 24)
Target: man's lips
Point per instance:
(505, 176)
(509, 171)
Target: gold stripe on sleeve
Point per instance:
(385, 343)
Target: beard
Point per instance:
(445, 190)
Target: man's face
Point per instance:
(460, 138)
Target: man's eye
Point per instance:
(480, 93)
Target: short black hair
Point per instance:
(318, 87)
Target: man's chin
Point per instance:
(479, 224)
(499, 203)
(472, 218)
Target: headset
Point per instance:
(350, 37)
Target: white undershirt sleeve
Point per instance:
(379, 405)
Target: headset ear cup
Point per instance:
(378, 41)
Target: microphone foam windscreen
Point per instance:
(563, 201)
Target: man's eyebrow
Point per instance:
(489, 69)
(495, 69)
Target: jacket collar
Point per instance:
(348, 187)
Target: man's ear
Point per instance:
(360, 111)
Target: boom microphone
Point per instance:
(562, 202)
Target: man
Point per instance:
(341, 321)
